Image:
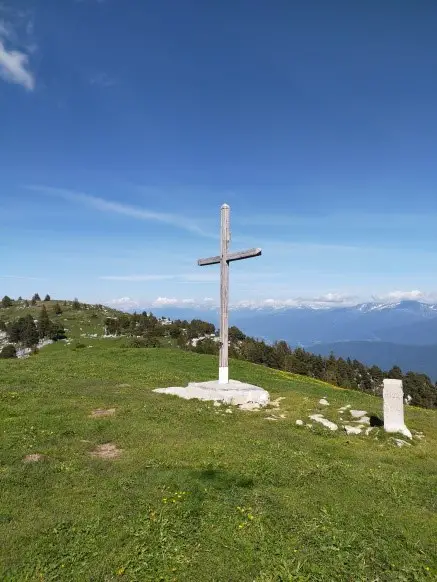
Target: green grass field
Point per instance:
(199, 494)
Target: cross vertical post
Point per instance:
(224, 295)
(223, 259)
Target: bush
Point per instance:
(136, 342)
(8, 351)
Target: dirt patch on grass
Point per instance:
(99, 412)
(106, 451)
(33, 458)
(123, 385)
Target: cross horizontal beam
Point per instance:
(237, 256)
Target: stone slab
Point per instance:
(235, 392)
(393, 395)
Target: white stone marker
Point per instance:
(394, 407)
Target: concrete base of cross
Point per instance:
(234, 392)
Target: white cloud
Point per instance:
(124, 209)
(324, 301)
(134, 278)
(414, 295)
(16, 42)
(14, 68)
(331, 298)
(123, 303)
(173, 302)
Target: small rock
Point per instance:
(300, 422)
(368, 430)
(344, 408)
(358, 413)
(327, 423)
(364, 420)
(228, 411)
(217, 403)
(324, 402)
(401, 443)
(270, 418)
(276, 403)
(252, 406)
(352, 429)
(309, 425)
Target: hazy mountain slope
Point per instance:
(385, 355)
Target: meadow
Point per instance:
(186, 491)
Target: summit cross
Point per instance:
(224, 259)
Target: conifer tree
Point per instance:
(44, 323)
(57, 309)
(29, 335)
(47, 297)
(7, 301)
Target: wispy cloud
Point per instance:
(14, 52)
(103, 205)
(14, 68)
(102, 80)
(134, 278)
(390, 220)
(24, 278)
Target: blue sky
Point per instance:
(124, 125)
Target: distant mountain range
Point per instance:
(385, 334)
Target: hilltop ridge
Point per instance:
(84, 324)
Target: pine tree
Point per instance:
(57, 309)
(76, 304)
(47, 297)
(26, 303)
(29, 335)
(44, 323)
(7, 301)
(395, 373)
(36, 298)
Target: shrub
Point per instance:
(8, 351)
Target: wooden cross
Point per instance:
(224, 259)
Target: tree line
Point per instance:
(148, 331)
(27, 332)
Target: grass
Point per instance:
(198, 493)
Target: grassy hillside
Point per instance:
(77, 322)
(199, 493)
